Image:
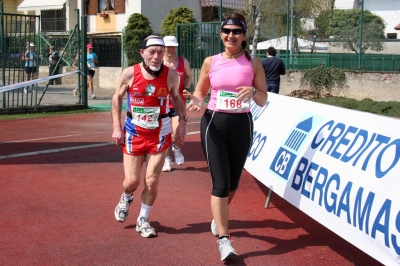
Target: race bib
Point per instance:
(146, 117)
(228, 101)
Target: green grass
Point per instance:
(365, 105)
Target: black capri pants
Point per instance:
(226, 140)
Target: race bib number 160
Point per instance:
(228, 101)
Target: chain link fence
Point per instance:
(25, 56)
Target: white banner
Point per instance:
(341, 167)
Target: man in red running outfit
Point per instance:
(146, 135)
(182, 67)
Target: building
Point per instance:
(389, 10)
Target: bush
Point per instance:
(137, 29)
(324, 79)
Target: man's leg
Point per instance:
(132, 168)
(274, 88)
(153, 170)
(154, 165)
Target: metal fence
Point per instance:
(199, 40)
(17, 33)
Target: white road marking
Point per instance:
(62, 149)
(56, 137)
(55, 150)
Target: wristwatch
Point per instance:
(184, 117)
(254, 91)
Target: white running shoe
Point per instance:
(25, 90)
(143, 227)
(179, 159)
(93, 96)
(226, 249)
(122, 209)
(167, 165)
(214, 229)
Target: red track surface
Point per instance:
(57, 208)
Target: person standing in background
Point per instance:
(182, 66)
(91, 61)
(53, 59)
(236, 80)
(30, 58)
(273, 68)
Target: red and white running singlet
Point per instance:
(180, 70)
(147, 105)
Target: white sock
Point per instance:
(144, 211)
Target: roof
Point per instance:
(397, 27)
(33, 5)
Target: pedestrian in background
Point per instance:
(235, 78)
(182, 66)
(30, 58)
(273, 68)
(92, 62)
(53, 59)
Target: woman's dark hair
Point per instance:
(244, 43)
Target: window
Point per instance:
(94, 7)
(391, 35)
(106, 5)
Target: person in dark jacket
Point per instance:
(274, 68)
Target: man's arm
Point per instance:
(116, 104)
(282, 68)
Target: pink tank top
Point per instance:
(227, 75)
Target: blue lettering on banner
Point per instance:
(256, 110)
(284, 159)
(315, 182)
(356, 147)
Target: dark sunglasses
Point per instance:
(234, 31)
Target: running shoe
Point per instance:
(93, 96)
(214, 229)
(122, 209)
(75, 92)
(179, 159)
(226, 249)
(25, 90)
(167, 165)
(143, 227)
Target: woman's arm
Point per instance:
(202, 86)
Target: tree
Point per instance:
(137, 29)
(274, 16)
(344, 25)
(177, 15)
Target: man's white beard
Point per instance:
(154, 68)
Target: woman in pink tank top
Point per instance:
(236, 81)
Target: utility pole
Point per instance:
(361, 34)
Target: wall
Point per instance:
(377, 86)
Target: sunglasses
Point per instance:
(234, 31)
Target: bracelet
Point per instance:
(254, 91)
